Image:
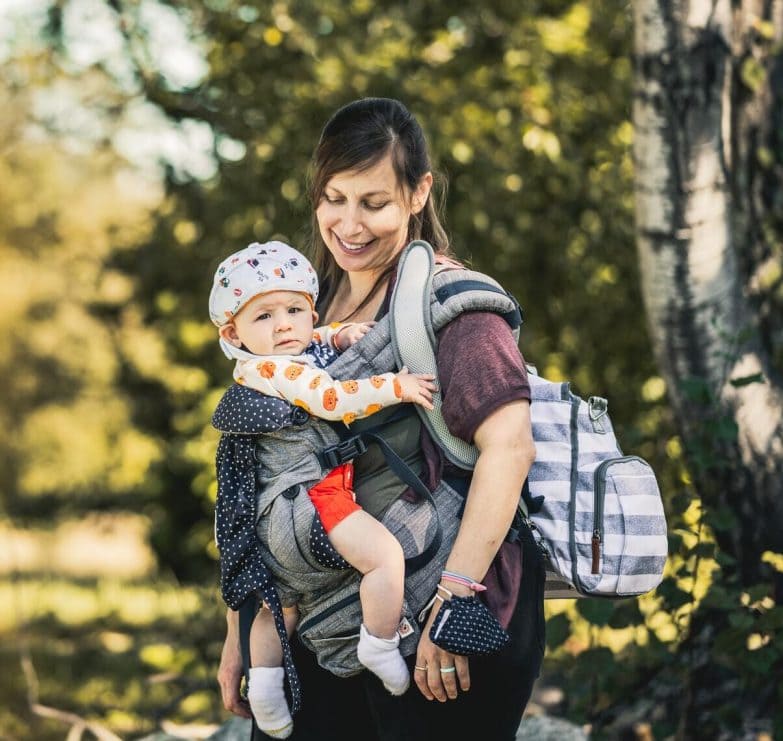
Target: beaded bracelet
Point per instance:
(465, 580)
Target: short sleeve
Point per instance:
(480, 368)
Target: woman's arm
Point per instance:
(506, 452)
(230, 671)
(485, 401)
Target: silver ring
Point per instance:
(420, 668)
(448, 669)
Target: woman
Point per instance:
(372, 194)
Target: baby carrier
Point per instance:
(271, 542)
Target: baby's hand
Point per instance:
(417, 387)
(351, 334)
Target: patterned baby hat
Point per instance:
(259, 268)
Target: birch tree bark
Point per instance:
(705, 213)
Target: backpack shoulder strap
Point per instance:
(425, 300)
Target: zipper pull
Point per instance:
(596, 543)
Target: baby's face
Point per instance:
(275, 323)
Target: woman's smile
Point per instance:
(352, 246)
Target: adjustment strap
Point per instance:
(404, 472)
(358, 442)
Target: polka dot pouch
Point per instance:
(465, 626)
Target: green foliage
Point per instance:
(596, 612)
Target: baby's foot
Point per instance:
(383, 658)
(266, 696)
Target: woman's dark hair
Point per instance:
(357, 137)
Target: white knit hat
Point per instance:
(259, 268)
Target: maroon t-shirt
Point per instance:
(480, 369)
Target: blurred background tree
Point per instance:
(143, 141)
(707, 115)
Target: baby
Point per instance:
(263, 302)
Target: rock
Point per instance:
(235, 729)
(546, 728)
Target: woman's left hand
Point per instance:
(438, 674)
(351, 334)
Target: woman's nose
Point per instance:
(351, 221)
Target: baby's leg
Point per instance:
(265, 691)
(265, 648)
(371, 549)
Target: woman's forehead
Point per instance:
(378, 179)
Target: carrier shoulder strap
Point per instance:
(426, 299)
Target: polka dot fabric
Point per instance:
(465, 626)
(323, 551)
(243, 411)
(241, 415)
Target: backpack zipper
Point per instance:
(599, 488)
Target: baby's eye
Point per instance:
(265, 315)
(294, 309)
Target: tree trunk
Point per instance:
(701, 201)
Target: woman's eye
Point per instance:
(333, 200)
(375, 206)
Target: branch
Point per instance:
(174, 105)
(78, 724)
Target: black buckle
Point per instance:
(342, 452)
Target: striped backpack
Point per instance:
(598, 515)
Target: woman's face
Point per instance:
(363, 216)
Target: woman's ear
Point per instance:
(421, 193)
(228, 332)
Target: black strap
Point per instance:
(355, 444)
(247, 613)
(404, 472)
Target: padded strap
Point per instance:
(513, 317)
(413, 340)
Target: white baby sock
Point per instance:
(267, 701)
(383, 658)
